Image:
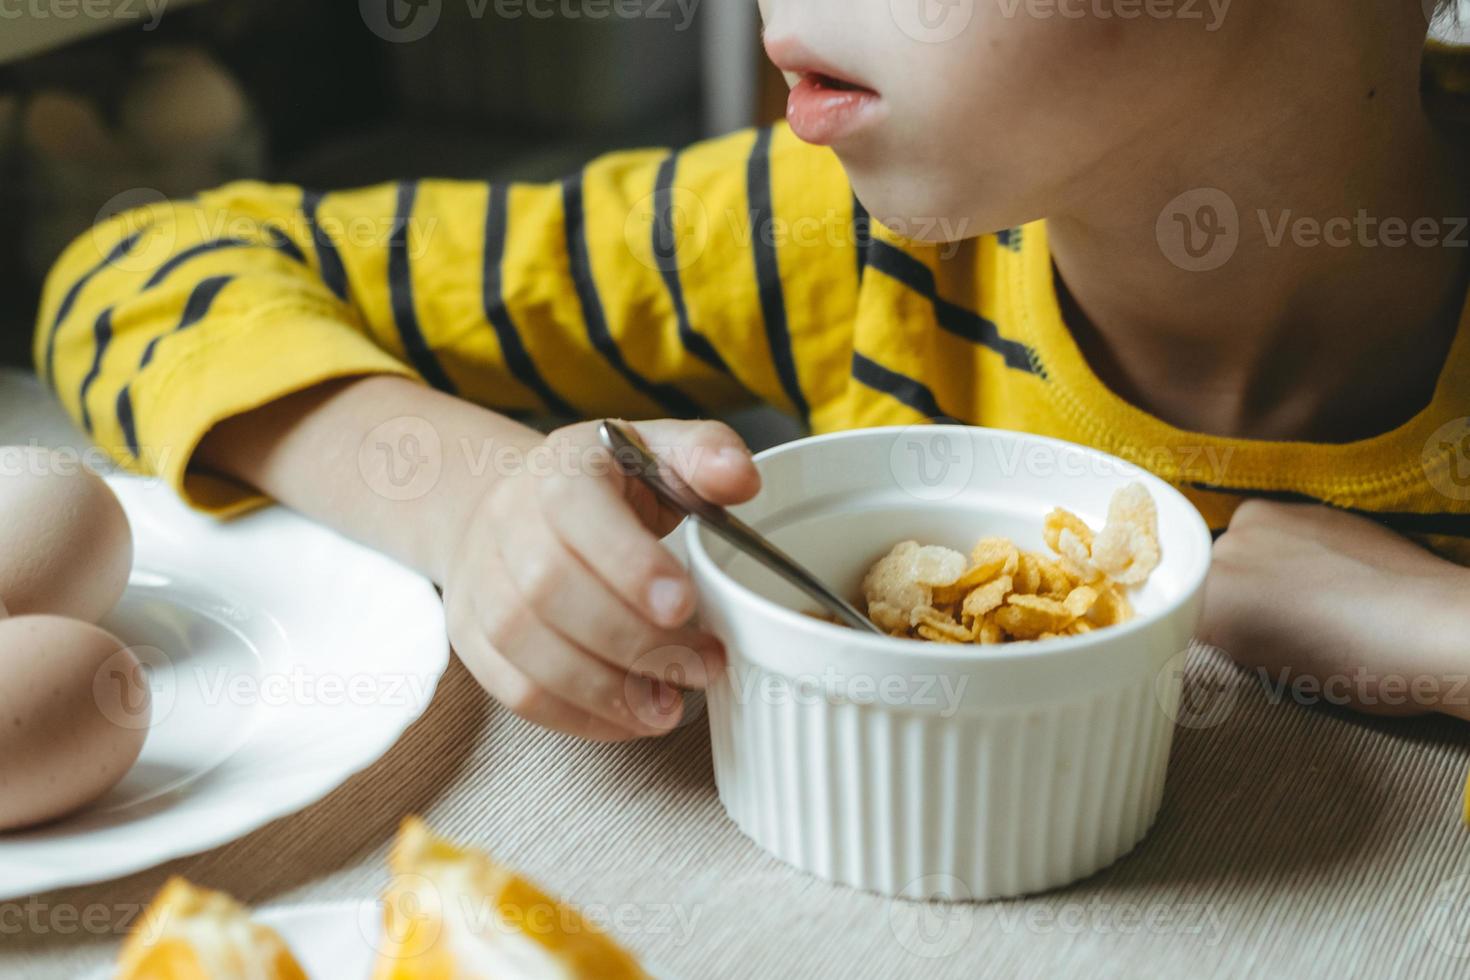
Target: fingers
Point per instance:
(535, 704)
(709, 456)
(571, 610)
(517, 633)
(575, 603)
(593, 518)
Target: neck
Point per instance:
(1343, 254)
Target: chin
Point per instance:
(923, 207)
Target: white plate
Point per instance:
(332, 939)
(282, 659)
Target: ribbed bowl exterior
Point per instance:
(940, 770)
(919, 804)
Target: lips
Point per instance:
(823, 110)
(825, 105)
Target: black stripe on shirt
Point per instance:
(862, 234)
(101, 337)
(332, 271)
(966, 324)
(671, 400)
(282, 243)
(400, 295)
(125, 419)
(195, 309)
(768, 270)
(278, 242)
(912, 393)
(1446, 525)
(517, 358)
(70, 299)
(666, 254)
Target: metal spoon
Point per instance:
(635, 459)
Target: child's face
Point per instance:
(985, 114)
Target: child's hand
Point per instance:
(562, 601)
(1356, 614)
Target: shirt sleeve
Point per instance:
(651, 283)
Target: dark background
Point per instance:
(329, 102)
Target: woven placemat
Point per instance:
(1294, 842)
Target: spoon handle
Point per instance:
(635, 459)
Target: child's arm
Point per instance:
(559, 596)
(331, 350)
(1331, 607)
(567, 299)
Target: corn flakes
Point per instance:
(1000, 594)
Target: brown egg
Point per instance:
(74, 711)
(65, 545)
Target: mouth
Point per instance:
(826, 104)
(833, 82)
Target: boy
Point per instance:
(1119, 206)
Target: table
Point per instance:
(1293, 842)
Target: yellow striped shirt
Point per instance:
(652, 283)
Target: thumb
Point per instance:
(708, 456)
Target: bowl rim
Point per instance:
(960, 653)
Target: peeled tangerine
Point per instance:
(450, 914)
(191, 933)
(74, 710)
(65, 545)
(453, 914)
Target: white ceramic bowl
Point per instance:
(932, 771)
